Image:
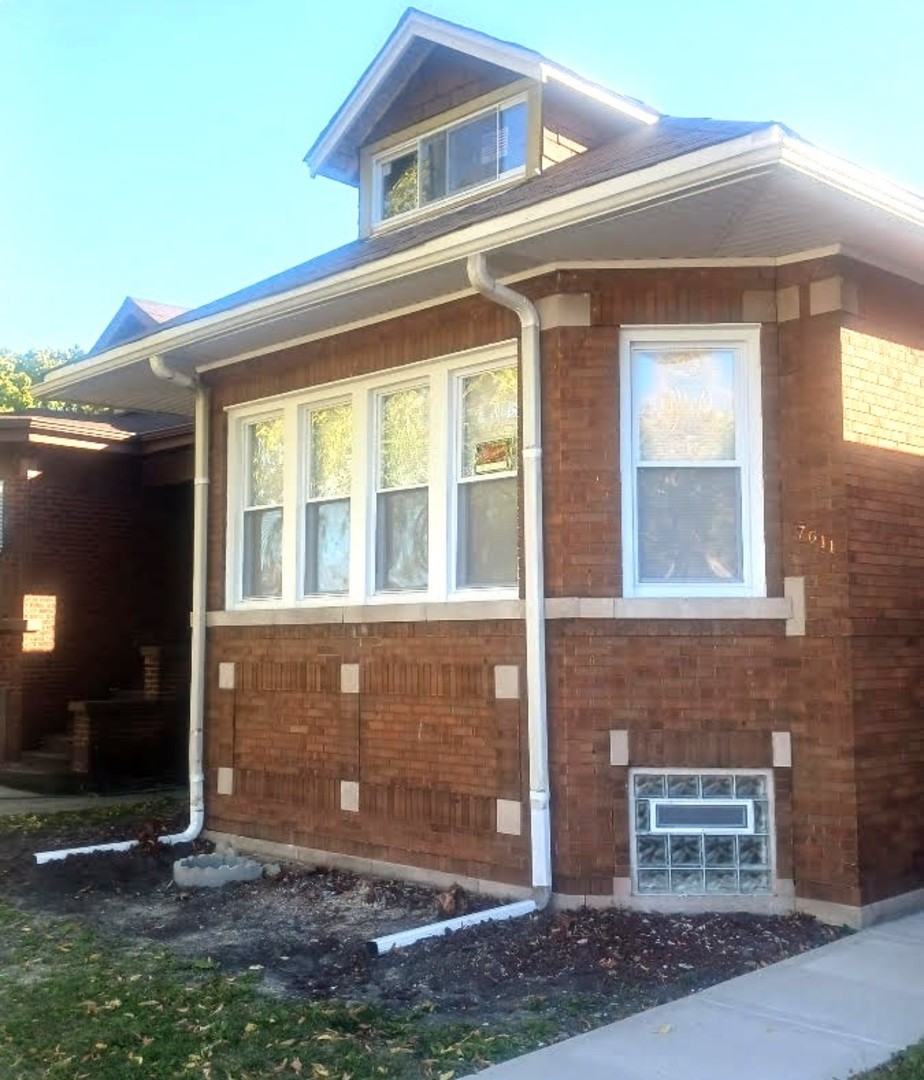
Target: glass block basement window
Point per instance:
(702, 834)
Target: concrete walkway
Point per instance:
(840, 1009)
(13, 801)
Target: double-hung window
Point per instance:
(329, 442)
(398, 485)
(486, 482)
(691, 461)
(262, 509)
(402, 491)
(479, 150)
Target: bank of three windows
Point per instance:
(395, 486)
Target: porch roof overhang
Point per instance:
(764, 198)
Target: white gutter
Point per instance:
(534, 570)
(699, 170)
(197, 646)
(683, 175)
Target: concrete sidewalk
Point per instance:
(13, 801)
(823, 1015)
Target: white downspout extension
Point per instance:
(533, 568)
(197, 623)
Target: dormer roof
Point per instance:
(420, 41)
(134, 319)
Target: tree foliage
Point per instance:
(20, 373)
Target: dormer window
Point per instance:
(486, 148)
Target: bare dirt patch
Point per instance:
(305, 932)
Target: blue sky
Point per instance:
(154, 147)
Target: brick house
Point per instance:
(94, 572)
(564, 529)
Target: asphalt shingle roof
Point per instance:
(669, 138)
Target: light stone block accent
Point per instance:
(622, 887)
(449, 611)
(349, 796)
(782, 750)
(619, 747)
(833, 294)
(758, 305)
(509, 817)
(564, 309)
(506, 682)
(787, 304)
(226, 675)
(225, 781)
(349, 678)
(794, 591)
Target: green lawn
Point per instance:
(74, 1005)
(906, 1066)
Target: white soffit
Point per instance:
(721, 203)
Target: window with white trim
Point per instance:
(328, 439)
(692, 481)
(486, 478)
(706, 832)
(263, 508)
(482, 149)
(399, 486)
(402, 499)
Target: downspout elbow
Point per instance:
(162, 370)
(480, 278)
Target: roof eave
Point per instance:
(706, 168)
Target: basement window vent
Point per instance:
(668, 815)
(706, 832)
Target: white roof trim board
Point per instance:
(525, 62)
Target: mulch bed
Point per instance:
(304, 933)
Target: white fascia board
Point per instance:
(681, 175)
(419, 25)
(700, 170)
(554, 73)
(504, 54)
(853, 180)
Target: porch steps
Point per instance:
(46, 770)
(28, 778)
(59, 743)
(49, 761)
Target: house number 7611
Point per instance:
(813, 536)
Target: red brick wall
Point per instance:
(425, 737)
(883, 400)
(691, 693)
(443, 81)
(112, 559)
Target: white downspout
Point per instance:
(534, 589)
(533, 569)
(197, 622)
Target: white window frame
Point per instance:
(379, 220)
(304, 444)
(744, 339)
(362, 392)
(243, 464)
(456, 480)
(713, 830)
(378, 396)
